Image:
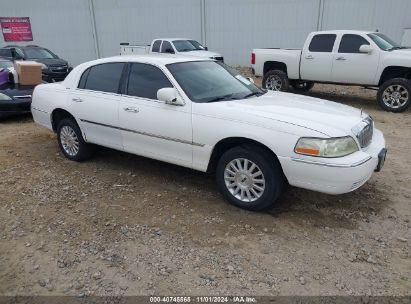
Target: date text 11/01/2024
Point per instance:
(203, 299)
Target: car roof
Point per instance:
(150, 58)
(174, 39)
(344, 32)
(23, 47)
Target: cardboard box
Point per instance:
(29, 72)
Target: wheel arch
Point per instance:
(274, 65)
(391, 72)
(58, 114)
(229, 142)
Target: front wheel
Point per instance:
(249, 177)
(394, 95)
(276, 80)
(302, 86)
(71, 141)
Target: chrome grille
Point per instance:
(59, 68)
(364, 131)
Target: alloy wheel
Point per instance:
(244, 180)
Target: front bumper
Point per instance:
(337, 175)
(51, 76)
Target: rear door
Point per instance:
(317, 58)
(352, 66)
(95, 103)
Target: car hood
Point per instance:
(13, 90)
(51, 62)
(402, 51)
(326, 117)
(203, 54)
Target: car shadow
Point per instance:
(295, 204)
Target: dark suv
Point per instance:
(54, 68)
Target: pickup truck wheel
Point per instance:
(71, 141)
(276, 80)
(302, 86)
(394, 95)
(249, 177)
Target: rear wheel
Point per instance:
(250, 178)
(394, 95)
(71, 141)
(302, 86)
(276, 80)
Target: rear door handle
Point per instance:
(76, 99)
(131, 109)
(309, 57)
(341, 58)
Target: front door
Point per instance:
(151, 127)
(352, 66)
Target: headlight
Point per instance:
(326, 147)
(4, 97)
(43, 66)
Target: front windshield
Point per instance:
(210, 81)
(38, 53)
(4, 64)
(187, 45)
(383, 42)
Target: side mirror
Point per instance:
(365, 49)
(169, 51)
(251, 80)
(206, 48)
(170, 96)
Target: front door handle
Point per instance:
(341, 58)
(131, 109)
(76, 99)
(309, 57)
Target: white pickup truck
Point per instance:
(182, 46)
(368, 59)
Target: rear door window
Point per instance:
(156, 46)
(102, 77)
(322, 43)
(351, 43)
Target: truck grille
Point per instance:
(59, 69)
(364, 132)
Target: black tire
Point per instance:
(266, 163)
(278, 75)
(84, 151)
(302, 86)
(405, 91)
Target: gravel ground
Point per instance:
(120, 224)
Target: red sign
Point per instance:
(16, 28)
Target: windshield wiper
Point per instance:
(219, 98)
(397, 48)
(253, 94)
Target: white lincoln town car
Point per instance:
(204, 115)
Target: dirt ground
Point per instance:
(120, 224)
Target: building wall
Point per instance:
(232, 27)
(62, 26)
